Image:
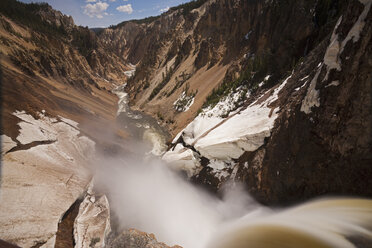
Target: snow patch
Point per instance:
(264, 81)
(221, 168)
(358, 26)
(221, 138)
(298, 88)
(247, 35)
(212, 116)
(331, 56)
(182, 158)
(335, 48)
(333, 83)
(230, 139)
(184, 102)
(312, 96)
(302, 79)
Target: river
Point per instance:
(139, 125)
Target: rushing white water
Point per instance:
(148, 196)
(320, 223)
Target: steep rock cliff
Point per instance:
(193, 49)
(315, 136)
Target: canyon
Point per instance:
(271, 97)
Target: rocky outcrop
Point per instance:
(92, 223)
(326, 147)
(39, 182)
(136, 239)
(55, 17)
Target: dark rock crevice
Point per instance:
(22, 147)
(65, 233)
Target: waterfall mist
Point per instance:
(146, 195)
(150, 197)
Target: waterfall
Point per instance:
(319, 223)
(146, 195)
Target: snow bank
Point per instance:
(212, 116)
(182, 158)
(222, 139)
(221, 168)
(244, 131)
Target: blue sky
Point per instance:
(103, 13)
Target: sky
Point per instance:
(103, 13)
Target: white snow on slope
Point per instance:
(331, 56)
(336, 47)
(220, 168)
(264, 81)
(244, 131)
(212, 116)
(354, 32)
(183, 102)
(41, 183)
(182, 158)
(222, 139)
(312, 96)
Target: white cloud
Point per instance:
(125, 8)
(164, 10)
(90, 1)
(96, 10)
